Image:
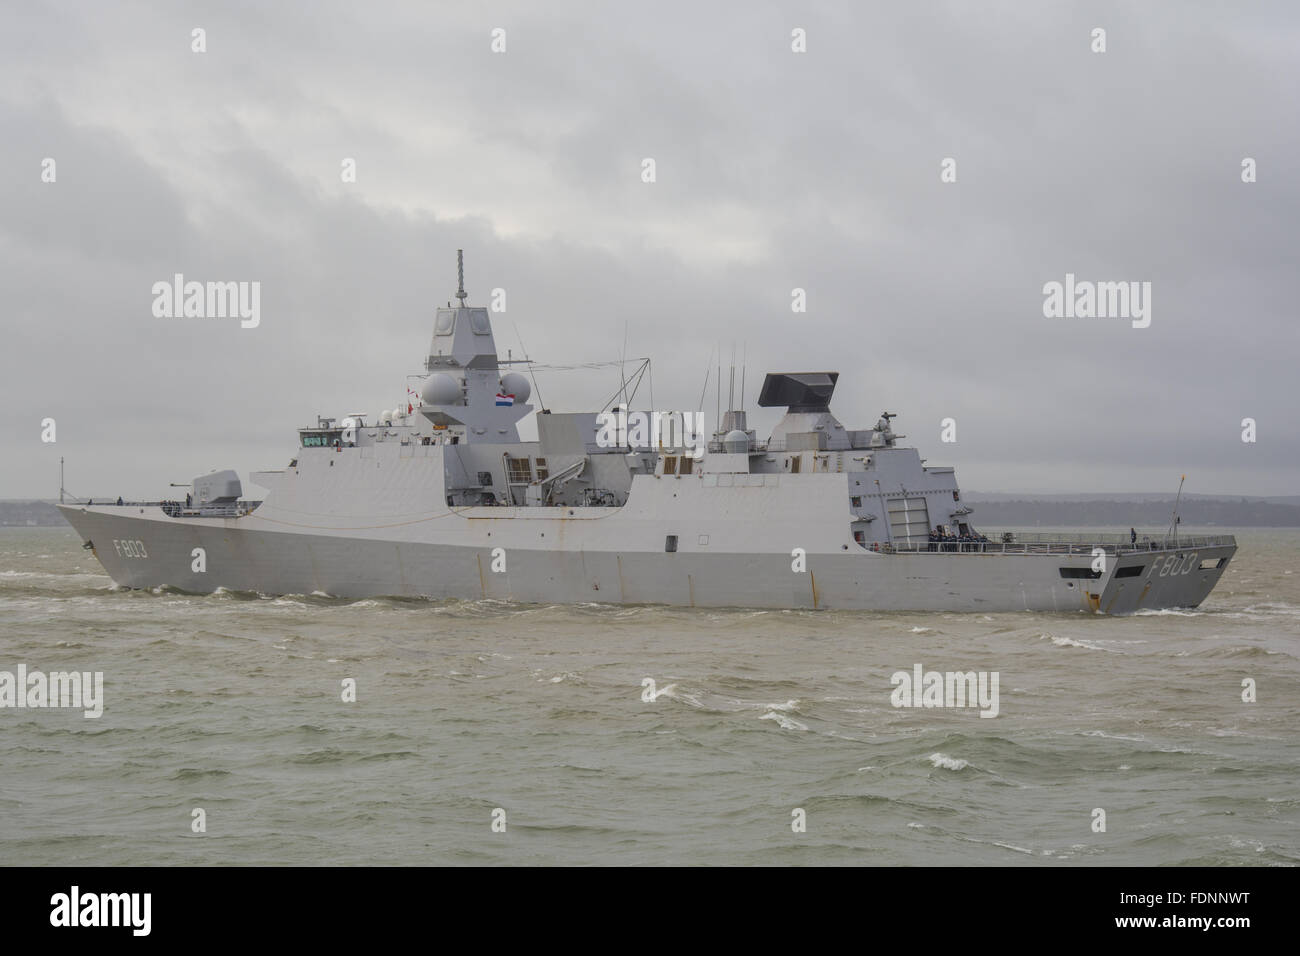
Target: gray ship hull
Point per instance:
(543, 559)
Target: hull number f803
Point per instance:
(1176, 564)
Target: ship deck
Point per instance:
(1081, 543)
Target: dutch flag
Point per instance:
(505, 399)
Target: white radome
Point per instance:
(512, 383)
(440, 389)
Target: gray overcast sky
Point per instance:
(775, 170)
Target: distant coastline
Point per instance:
(993, 510)
(27, 513)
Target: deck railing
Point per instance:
(1017, 542)
(178, 509)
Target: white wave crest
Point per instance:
(948, 763)
(788, 706)
(672, 693)
(1012, 846)
(1102, 733)
(1071, 642)
(785, 723)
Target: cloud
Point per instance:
(775, 170)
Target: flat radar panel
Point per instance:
(799, 391)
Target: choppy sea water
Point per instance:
(233, 703)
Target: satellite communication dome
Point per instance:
(512, 383)
(440, 389)
(735, 441)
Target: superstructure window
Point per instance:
(1132, 571)
(856, 501)
(670, 464)
(519, 471)
(685, 464)
(542, 471)
(670, 543)
(1080, 573)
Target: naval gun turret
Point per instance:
(466, 393)
(218, 488)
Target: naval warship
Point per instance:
(440, 498)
